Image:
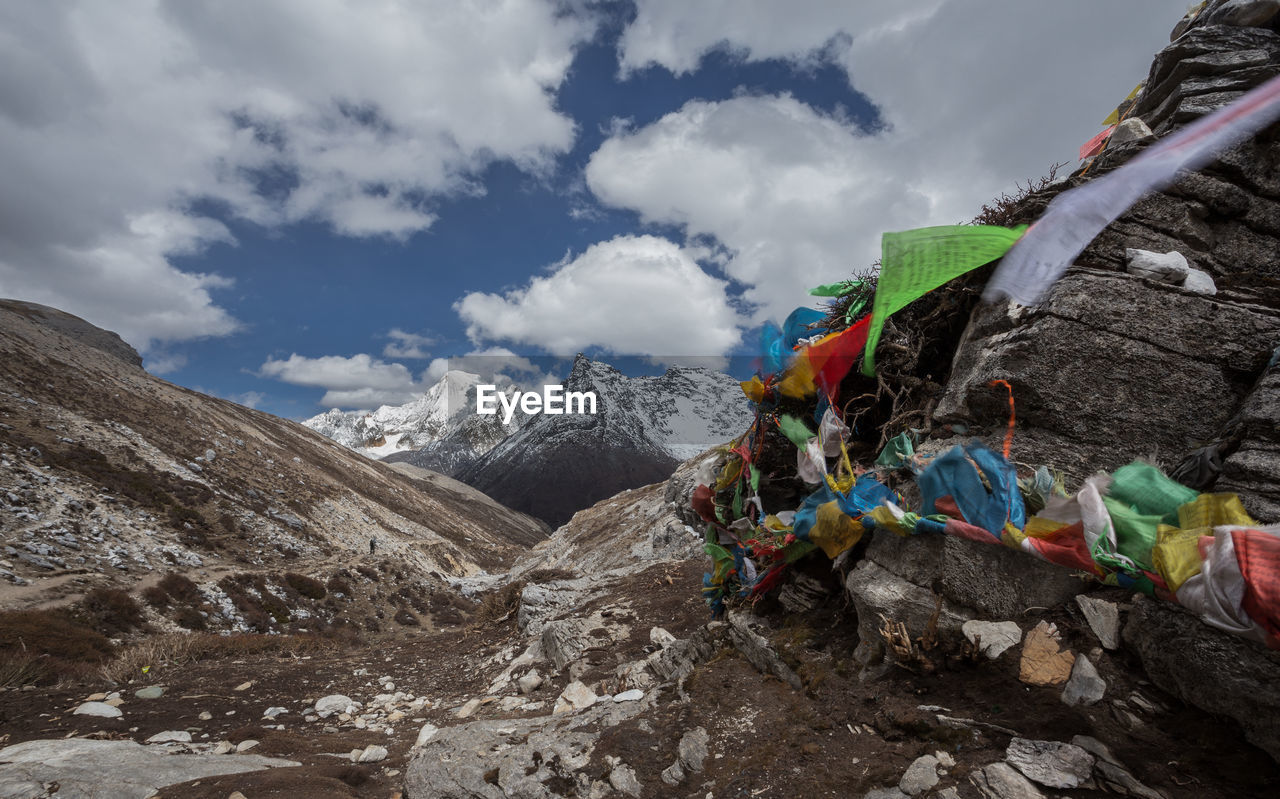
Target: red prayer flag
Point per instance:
(1095, 145)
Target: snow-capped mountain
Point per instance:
(555, 465)
(439, 414)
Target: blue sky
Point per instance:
(306, 203)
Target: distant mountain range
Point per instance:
(551, 466)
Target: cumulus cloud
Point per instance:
(356, 381)
(407, 345)
(972, 96)
(116, 118)
(631, 295)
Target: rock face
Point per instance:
(1208, 668)
(90, 769)
(644, 427)
(1115, 365)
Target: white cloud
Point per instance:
(974, 95)
(407, 345)
(115, 117)
(249, 399)
(162, 363)
(631, 295)
(798, 197)
(356, 381)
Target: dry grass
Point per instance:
(499, 605)
(44, 646)
(177, 649)
(1010, 210)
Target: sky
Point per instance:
(305, 204)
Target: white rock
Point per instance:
(468, 708)
(224, 747)
(661, 637)
(996, 636)
(372, 754)
(921, 775)
(1168, 267)
(575, 696)
(425, 734)
(335, 703)
(1051, 763)
(170, 736)
(245, 745)
(1200, 282)
(1103, 618)
(205, 715)
(629, 696)
(101, 709)
(1132, 129)
(272, 712)
(1085, 687)
(530, 682)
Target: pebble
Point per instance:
(244, 686)
(629, 696)
(246, 745)
(150, 692)
(170, 736)
(205, 715)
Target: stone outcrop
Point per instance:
(89, 769)
(1208, 668)
(1115, 365)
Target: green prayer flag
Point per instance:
(796, 430)
(897, 452)
(835, 289)
(915, 262)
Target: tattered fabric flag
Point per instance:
(833, 357)
(1095, 145)
(915, 262)
(1075, 217)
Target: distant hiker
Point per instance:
(373, 544)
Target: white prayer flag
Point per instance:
(1076, 217)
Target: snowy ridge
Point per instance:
(644, 426)
(432, 417)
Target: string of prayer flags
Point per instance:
(1076, 217)
(1095, 145)
(915, 262)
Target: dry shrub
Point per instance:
(180, 588)
(405, 618)
(338, 585)
(178, 649)
(548, 575)
(499, 605)
(48, 646)
(309, 587)
(110, 611)
(156, 596)
(1009, 210)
